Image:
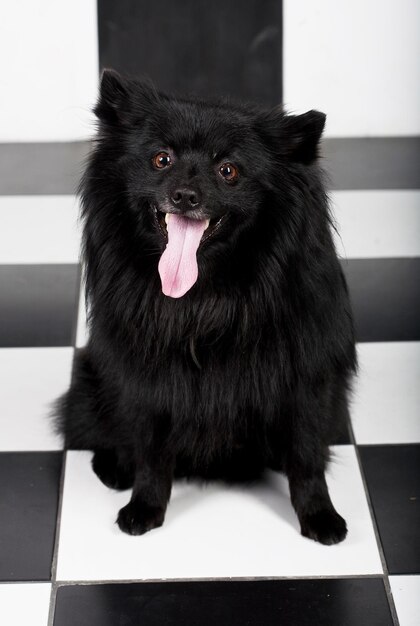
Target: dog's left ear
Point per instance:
(302, 134)
(295, 137)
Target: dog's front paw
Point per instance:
(136, 519)
(325, 526)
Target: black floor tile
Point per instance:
(322, 602)
(373, 162)
(29, 485)
(385, 296)
(393, 478)
(38, 305)
(41, 168)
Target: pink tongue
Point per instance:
(177, 267)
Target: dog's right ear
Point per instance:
(114, 99)
(124, 100)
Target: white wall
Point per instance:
(49, 69)
(356, 60)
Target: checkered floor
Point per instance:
(225, 555)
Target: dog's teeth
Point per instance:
(207, 222)
(167, 217)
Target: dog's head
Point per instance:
(196, 173)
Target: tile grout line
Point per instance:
(54, 585)
(385, 573)
(76, 316)
(227, 579)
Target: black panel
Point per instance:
(218, 47)
(386, 298)
(324, 602)
(373, 163)
(41, 168)
(393, 478)
(352, 163)
(38, 305)
(29, 483)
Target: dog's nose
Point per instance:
(185, 198)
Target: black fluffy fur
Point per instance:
(250, 368)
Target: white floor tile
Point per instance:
(386, 400)
(82, 332)
(24, 604)
(31, 379)
(390, 218)
(211, 532)
(39, 229)
(406, 592)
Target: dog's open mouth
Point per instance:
(178, 266)
(211, 227)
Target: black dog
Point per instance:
(221, 335)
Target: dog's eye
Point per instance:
(161, 160)
(229, 172)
